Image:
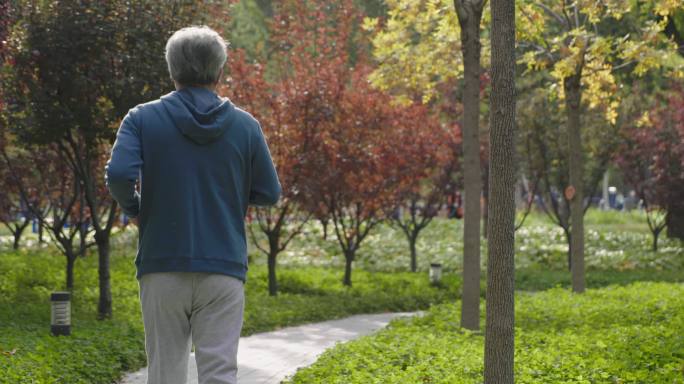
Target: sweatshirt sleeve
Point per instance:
(123, 168)
(265, 188)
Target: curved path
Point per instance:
(268, 358)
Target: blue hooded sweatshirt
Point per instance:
(200, 162)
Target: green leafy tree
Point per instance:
(249, 28)
(577, 43)
(543, 149)
(422, 46)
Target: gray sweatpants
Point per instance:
(179, 308)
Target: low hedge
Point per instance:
(628, 334)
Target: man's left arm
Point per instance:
(123, 168)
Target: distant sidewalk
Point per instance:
(268, 358)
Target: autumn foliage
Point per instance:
(652, 160)
(343, 149)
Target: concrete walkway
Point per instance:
(268, 358)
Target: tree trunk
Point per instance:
(17, 237)
(324, 223)
(412, 244)
(82, 245)
(499, 331)
(675, 219)
(348, 258)
(656, 233)
(19, 232)
(41, 240)
(71, 258)
(573, 98)
(272, 280)
(485, 201)
(104, 306)
(469, 16)
(568, 239)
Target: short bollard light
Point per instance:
(435, 273)
(60, 323)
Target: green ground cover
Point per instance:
(100, 351)
(629, 334)
(614, 241)
(310, 274)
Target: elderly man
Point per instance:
(200, 162)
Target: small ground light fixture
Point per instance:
(435, 273)
(60, 323)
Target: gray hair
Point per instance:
(195, 55)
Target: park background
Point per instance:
(377, 114)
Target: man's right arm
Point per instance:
(123, 169)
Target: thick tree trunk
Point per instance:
(469, 16)
(272, 280)
(104, 306)
(573, 98)
(499, 331)
(348, 259)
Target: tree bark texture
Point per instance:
(469, 16)
(573, 99)
(499, 331)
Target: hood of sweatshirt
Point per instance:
(200, 114)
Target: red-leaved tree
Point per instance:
(652, 160)
(308, 63)
(429, 159)
(50, 194)
(278, 106)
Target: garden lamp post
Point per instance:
(435, 273)
(60, 323)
